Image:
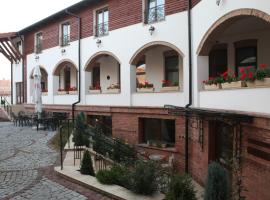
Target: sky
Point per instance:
(18, 14)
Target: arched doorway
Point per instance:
(44, 81)
(102, 73)
(65, 78)
(237, 41)
(158, 67)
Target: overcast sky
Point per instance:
(18, 14)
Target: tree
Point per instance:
(80, 135)
(87, 165)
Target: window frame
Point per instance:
(61, 40)
(147, 11)
(171, 54)
(96, 21)
(38, 46)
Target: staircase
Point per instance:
(5, 110)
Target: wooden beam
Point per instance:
(5, 54)
(13, 49)
(8, 51)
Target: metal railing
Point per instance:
(65, 40)
(102, 29)
(155, 14)
(5, 104)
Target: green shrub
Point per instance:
(181, 188)
(217, 187)
(87, 166)
(81, 136)
(117, 175)
(144, 178)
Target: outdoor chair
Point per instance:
(15, 119)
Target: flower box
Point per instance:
(73, 92)
(145, 90)
(44, 93)
(113, 91)
(170, 88)
(94, 91)
(262, 83)
(231, 85)
(62, 92)
(212, 87)
(251, 84)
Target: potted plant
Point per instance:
(212, 84)
(146, 87)
(61, 91)
(231, 81)
(44, 92)
(262, 76)
(248, 75)
(96, 89)
(169, 86)
(72, 90)
(113, 88)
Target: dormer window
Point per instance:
(102, 22)
(155, 11)
(65, 34)
(38, 43)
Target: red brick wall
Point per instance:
(122, 13)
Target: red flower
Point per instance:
(262, 66)
(251, 75)
(242, 70)
(243, 76)
(249, 67)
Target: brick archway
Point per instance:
(225, 21)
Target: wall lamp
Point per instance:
(151, 30)
(218, 2)
(98, 42)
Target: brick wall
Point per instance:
(122, 13)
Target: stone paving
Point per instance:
(23, 152)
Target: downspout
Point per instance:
(11, 67)
(190, 87)
(79, 61)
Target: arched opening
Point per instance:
(237, 43)
(65, 78)
(44, 81)
(158, 67)
(102, 74)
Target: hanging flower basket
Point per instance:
(233, 85)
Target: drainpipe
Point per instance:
(190, 86)
(11, 67)
(79, 61)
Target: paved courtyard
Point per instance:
(26, 167)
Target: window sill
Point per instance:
(154, 22)
(169, 149)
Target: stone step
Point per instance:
(3, 115)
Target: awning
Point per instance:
(8, 48)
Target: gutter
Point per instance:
(79, 62)
(190, 87)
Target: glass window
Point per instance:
(102, 24)
(172, 70)
(103, 122)
(96, 77)
(65, 38)
(245, 57)
(38, 48)
(217, 62)
(158, 130)
(140, 72)
(156, 11)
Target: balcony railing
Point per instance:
(65, 40)
(102, 29)
(155, 14)
(38, 48)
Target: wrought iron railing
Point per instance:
(102, 29)
(155, 14)
(65, 40)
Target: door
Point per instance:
(67, 78)
(19, 93)
(96, 76)
(217, 62)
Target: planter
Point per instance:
(262, 83)
(170, 88)
(44, 93)
(251, 84)
(73, 92)
(233, 85)
(94, 91)
(113, 91)
(145, 90)
(62, 92)
(212, 87)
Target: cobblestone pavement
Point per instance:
(26, 167)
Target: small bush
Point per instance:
(181, 188)
(117, 175)
(144, 178)
(217, 187)
(87, 166)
